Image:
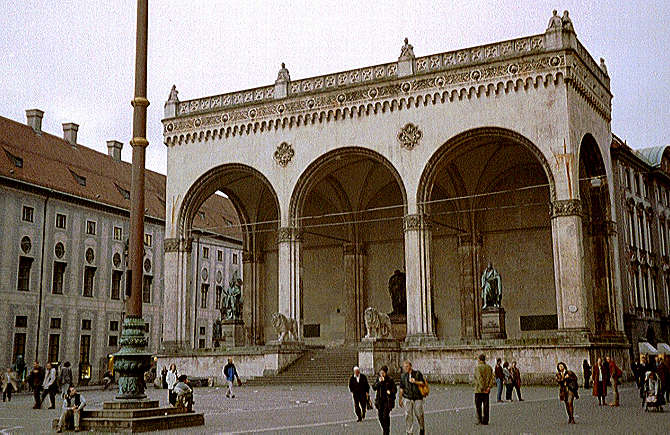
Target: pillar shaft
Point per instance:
(469, 247)
(354, 288)
(290, 301)
(252, 294)
(417, 264)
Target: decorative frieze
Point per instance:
(409, 136)
(566, 207)
(283, 154)
(415, 222)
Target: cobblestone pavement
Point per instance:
(309, 409)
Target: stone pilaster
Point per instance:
(418, 237)
(469, 247)
(354, 285)
(177, 309)
(572, 302)
(252, 264)
(290, 297)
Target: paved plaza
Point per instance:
(307, 409)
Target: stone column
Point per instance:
(290, 298)
(417, 264)
(176, 302)
(469, 247)
(572, 301)
(252, 293)
(354, 287)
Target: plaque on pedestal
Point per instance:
(232, 333)
(493, 323)
(398, 326)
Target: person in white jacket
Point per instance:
(49, 386)
(171, 379)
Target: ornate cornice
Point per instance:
(415, 222)
(566, 207)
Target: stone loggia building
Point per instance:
(433, 165)
(64, 234)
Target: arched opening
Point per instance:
(349, 205)
(594, 194)
(231, 214)
(487, 193)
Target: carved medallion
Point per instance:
(116, 260)
(284, 154)
(59, 250)
(409, 136)
(90, 256)
(147, 265)
(26, 244)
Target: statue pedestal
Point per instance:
(376, 352)
(398, 326)
(493, 323)
(232, 333)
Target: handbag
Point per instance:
(424, 389)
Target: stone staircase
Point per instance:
(332, 365)
(144, 416)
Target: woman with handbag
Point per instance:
(567, 389)
(385, 398)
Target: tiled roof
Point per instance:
(50, 162)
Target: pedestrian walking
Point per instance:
(49, 386)
(586, 369)
(507, 380)
(9, 384)
(35, 379)
(516, 380)
(20, 368)
(600, 380)
(230, 373)
(484, 381)
(360, 390)
(385, 398)
(164, 372)
(65, 377)
(411, 398)
(500, 378)
(73, 404)
(615, 374)
(171, 379)
(568, 389)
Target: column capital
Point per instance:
(289, 234)
(566, 207)
(177, 245)
(252, 257)
(415, 222)
(349, 248)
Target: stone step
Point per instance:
(130, 413)
(109, 421)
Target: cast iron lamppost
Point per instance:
(132, 360)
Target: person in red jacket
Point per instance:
(615, 374)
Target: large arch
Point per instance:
(348, 206)
(487, 194)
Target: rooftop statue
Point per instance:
(567, 22)
(407, 51)
(555, 21)
(173, 94)
(283, 75)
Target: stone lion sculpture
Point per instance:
(283, 325)
(378, 324)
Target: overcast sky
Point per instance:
(74, 59)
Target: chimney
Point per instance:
(70, 132)
(114, 148)
(34, 119)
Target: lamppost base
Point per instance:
(131, 361)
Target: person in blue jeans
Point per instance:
(500, 377)
(230, 373)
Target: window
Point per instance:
(663, 240)
(219, 255)
(54, 323)
(86, 324)
(234, 258)
(89, 276)
(18, 161)
(113, 325)
(19, 346)
(27, 215)
(637, 183)
(59, 274)
(219, 292)
(203, 295)
(90, 228)
(54, 348)
(116, 284)
(118, 233)
(78, 178)
(652, 288)
(112, 341)
(61, 221)
(201, 343)
(146, 289)
(636, 288)
(147, 327)
(148, 238)
(21, 321)
(205, 252)
(23, 284)
(631, 228)
(202, 330)
(85, 349)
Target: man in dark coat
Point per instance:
(385, 398)
(35, 379)
(360, 389)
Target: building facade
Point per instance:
(64, 234)
(432, 165)
(642, 184)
